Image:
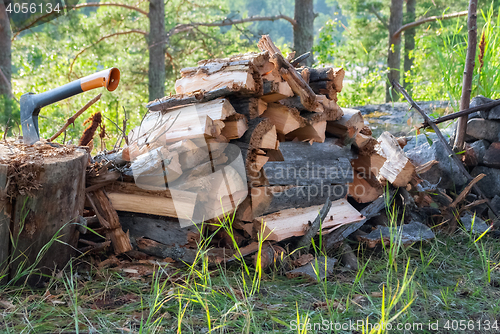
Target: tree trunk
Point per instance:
(50, 208)
(5, 58)
(394, 50)
(303, 31)
(468, 73)
(409, 43)
(156, 45)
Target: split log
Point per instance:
(167, 232)
(108, 218)
(272, 199)
(234, 127)
(351, 122)
(327, 74)
(276, 90)
(251, 107)
(161, 202)
(319, 163)
(194, 121)
(364, 190)
(324, 88)
(260, 60)
(284, 118)
(237, 76)
(371, 210)
(42, 194)
(289, 73)
(313, 131)
(294, 222)
(391, 162)
(156, 167)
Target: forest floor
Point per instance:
(449, 285)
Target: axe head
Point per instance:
(29, 118)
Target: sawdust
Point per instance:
(25, 163)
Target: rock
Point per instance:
(492, 156)
(312, 269)
(495, 203)
(446, 173)
(410, 233)
(479, 148)
(493, 113)
(490, 184)
(483, 129)
(479, 225)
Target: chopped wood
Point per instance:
(294, 222)
(238, 76)
(270, 199)
(324, 88)
(269, 255)
(276, 90)
(371, 210)
(391, 162)
(162, 202)
(289, 73)
(319, 163)
(285, 119)
(108, 218)
(195, 121)
(167, 232)
(234, 127)
(251, 107)
(350, 123)
(364, 191)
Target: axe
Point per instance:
(32, 103)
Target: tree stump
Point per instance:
(42, 193)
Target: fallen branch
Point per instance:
(486, 106)
(441, 138)
(72, 119)
(466, 190)
(305, 241)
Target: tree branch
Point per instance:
(103, 38)
(427, 19)
(228, 22)
(83, 5)
(379, 17)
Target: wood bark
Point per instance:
(156, 46)
(303, 30)
(5, 52)
(51, 209)
(468, 74)
(394, 49)
(409, 43)
(5, 213)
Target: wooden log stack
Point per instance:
(251, 134)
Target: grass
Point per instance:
(446, 279)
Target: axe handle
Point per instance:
(108, 78)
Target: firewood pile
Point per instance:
(249, 139)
